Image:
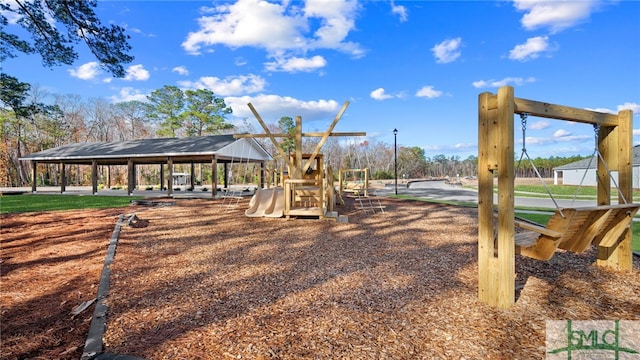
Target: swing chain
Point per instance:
(523, 121)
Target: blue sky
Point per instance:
(417, 66)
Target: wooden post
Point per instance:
(366, 181)
(496, 260)
(34, 169)
(225, 176)
(63, 178)
(297, 170)
(214, 176)
(161, 176)
(130, 176)
(193, 170)
(94, 176)
(621, 138)
(170, 177)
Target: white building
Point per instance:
(573, 173)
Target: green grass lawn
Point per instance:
(41, 202)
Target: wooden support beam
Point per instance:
(558, 112)
(297, 169)
(620, 147)
(304, 134)
(486, 166)
(270, 136)
(316, 151)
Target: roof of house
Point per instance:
(198, 149)
(591, 162)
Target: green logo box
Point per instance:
(593, 339)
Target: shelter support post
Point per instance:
(130, 176)
(214, 176)
(108, 177)
(496, 259)
(193, 170)
(34, 168)
(225, 181)
(63, 178)
(161, 176)
(94, 176)
(616, 146)
(170, 176)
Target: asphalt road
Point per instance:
(439, 190)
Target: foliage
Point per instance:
(205, 113)
(41, 202)
(286, 126)
(165, 108)
(42, 21)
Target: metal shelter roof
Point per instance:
(197, 149)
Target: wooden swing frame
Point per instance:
(606, 226)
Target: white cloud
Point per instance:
(180, 70)
(554, 15)
(429, 92)
(295, 64)
(275, 26)
(539, 125)
(229, 86)
(128, 94)
(86, 71)
(635, 107)
(517, 81)
(284, 30)
(136, 72)
(380, 94)
(272, 107)
(561, 133)
(602, 110)
(399, 10)
(447, 51)
(531, 49)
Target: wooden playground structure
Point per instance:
(606, 225)
(308, 186)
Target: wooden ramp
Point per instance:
(578, 229)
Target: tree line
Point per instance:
(32, 120)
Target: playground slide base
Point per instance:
(266, 202)
(276, 209)
(259, 202)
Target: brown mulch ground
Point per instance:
(200, 282)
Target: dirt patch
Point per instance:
(202, 281)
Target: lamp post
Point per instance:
(395, 157)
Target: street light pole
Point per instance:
(395, 157)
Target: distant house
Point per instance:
(572, 174)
